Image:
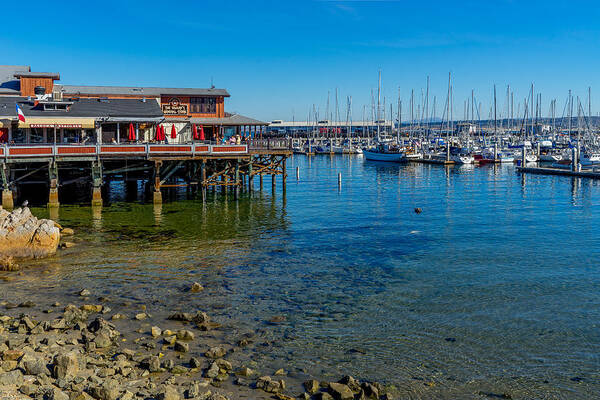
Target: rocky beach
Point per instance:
(88, 350)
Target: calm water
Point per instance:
(494, 288)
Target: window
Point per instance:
(203, 105)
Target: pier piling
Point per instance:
(53, 194)
(7, 199)
(297, 173)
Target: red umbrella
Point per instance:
(173, 132)
(202, 132)
(157, 133)
(131, 135)
(195, 131)
(162, 133)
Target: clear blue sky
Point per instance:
(279, 56)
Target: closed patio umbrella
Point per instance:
(157, 136)
(162, 133)
(202, 132)
(131, 135)
(195, 131)
(173, 132)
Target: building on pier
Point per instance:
(328, 128)
(117, 107)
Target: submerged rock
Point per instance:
(23, 235)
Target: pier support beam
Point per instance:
(250, 176)
(7, 194)
(96, 184)
(283, 174)
(157, 195)
(53, 175)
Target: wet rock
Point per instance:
(141, 316)
(280, 372)
(28, 389)
(91, 308)
(23, 235)
(323, 396)
(213, 371)
(102, 340)
(352, 383)
(155, 331)
(196, 287)
(245, 371)
(12, 354)
(66, 365)
(182, 347)
(370, 390)
(181, 316)
(184, 334)
(67, 232)
(152, 364)
(108, 391)
(168, 393)
(7, 263)
(278, 319)
(84, 292)
(312, 386)
(215, 352)
(269, 385)
(241, 382)
(195, 363)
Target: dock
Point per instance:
(559, 171)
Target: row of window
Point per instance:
(204, 105)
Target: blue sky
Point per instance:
(280, 57)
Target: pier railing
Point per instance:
(269, 144)
(146, 150)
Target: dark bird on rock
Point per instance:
(418, 210)
(25, 203)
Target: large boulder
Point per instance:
(23, 235)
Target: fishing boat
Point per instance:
(385, 152)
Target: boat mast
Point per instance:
(378, 105)
(399, 118)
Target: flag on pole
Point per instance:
(20, 114)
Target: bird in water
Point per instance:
(418, 210)
(25, 203)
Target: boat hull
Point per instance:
(388, 157)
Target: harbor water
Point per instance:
(492, 290)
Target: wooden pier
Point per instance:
(204, 165)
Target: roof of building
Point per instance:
(8, 83)
(53, 75)
(139, 91)
(229, 120)
(91, 108)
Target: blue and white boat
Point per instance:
(385, 152)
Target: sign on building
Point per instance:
(174, 107)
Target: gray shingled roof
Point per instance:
(139, 91)
(8, 83)
(229, 120)
(91, 108)
(53, 75)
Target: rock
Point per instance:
(213, 371)
(155, 331)
(23, 235)
(91, 308)
(141, 316)
(352, 383)
(196, 287)
(182, 347)
(278, 319)
(339, 391)
(102, 340)
(67, 232)
(323, 396)
(14, 377)
(279, 372)
(7, 263)
(168, 393)
(34, 366)
(181, 316)
(84, 292)
(67, 245)
(12, 355)
(215, 352)
(108, 391)
(370, 390)
(152, 364)
(184, 334)
(245, 371)
(195, 363)
(66, 365)
(312, 386)
(57, 394)
(224, 364)
(268, 385)
(28, 389)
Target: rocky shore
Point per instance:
(77, 352)
(24, 235)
